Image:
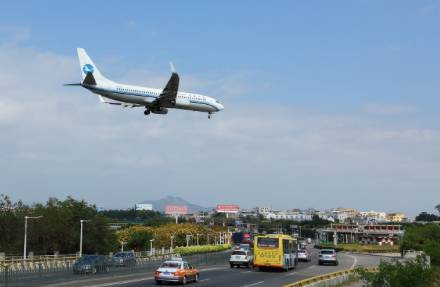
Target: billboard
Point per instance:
(176, 209)
(228, 208)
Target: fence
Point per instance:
(44, 273)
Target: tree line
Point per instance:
(58, 230)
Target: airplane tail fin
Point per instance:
(89, 71)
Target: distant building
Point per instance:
(396, 217)
(263, 209)
(371, 217)
(344, 214)
(144, 206)
(288, 215)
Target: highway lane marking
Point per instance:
(354, 262)
(244, 272)
(253, 284)
(203, 280)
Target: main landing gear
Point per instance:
(209, 115)
(147, 112)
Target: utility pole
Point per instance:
(81, 237)
(25, 233)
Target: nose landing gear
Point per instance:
(209, 115)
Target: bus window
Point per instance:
(268, 242)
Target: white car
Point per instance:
(304, 255)
(241, 257)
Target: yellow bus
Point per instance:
(275, 251)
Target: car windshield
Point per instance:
(238, 253)
(171, 264)
(327, 252)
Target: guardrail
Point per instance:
(338, 277)
(51, 275)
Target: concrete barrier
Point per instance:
(329, 279)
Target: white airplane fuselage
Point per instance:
(145, 96)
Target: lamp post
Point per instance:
(151, 247)
(122, 245)
(81, 237)
(188, 237)
(172, 241)
(197, 238)
(25, 233)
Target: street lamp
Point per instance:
(25, 232)
(151, 246)
(81, 237)
(122, 245)
(172, 241)
(188, 237)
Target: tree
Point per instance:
(424, 216)
(438, 207)
(58, 230)
(425, 238)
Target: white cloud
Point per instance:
(58, 140)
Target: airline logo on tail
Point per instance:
(88, 68)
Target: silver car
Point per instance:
(328, 256)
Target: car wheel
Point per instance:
(196, 278)
(184, 280)
(232, 265)
(158, 282)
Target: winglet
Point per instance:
(173, 69)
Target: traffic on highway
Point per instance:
(265, 260)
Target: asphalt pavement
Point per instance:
(223, 275)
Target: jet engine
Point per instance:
(159, 110)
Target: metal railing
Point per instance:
(52, 272)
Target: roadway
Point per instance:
(223, 275)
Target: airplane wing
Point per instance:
(124, 105)
(168, 96)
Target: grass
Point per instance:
(370, 248)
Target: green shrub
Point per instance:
(201, 249)
(368, 248)
(409, 274)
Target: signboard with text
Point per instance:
(228, 208)
(176, 209)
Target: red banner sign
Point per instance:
(228, 208)
(176, 209)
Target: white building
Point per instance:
(144, 206)
(288, 215)
(373, 216)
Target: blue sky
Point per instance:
(340, 97)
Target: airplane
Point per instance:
(156, 101)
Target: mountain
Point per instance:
(160, 204)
